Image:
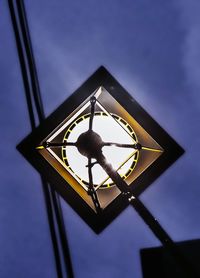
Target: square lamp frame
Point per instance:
(112, 99)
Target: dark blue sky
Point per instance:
(153, 49)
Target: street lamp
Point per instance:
(128, 171)
(100, 149)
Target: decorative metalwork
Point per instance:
(99, 147)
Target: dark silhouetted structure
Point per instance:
(158, 263)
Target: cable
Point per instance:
(30, 58)
(51, 198)
(41, 116)
(22, 65)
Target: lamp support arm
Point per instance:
(149, 219)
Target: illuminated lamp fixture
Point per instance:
(100, 149)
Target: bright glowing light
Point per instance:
(110, 131)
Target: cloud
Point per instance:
(190, 21)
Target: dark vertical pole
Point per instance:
(33, 95)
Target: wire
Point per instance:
(40, 111)
(23, 65)
(51, 199)
(30, 58)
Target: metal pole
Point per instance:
(188, 270)
(33, 97)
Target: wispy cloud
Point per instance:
(190, 21)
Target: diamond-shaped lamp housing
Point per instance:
(118, 118)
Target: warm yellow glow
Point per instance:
(152, 150)
(116, 126)
(39, 147)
